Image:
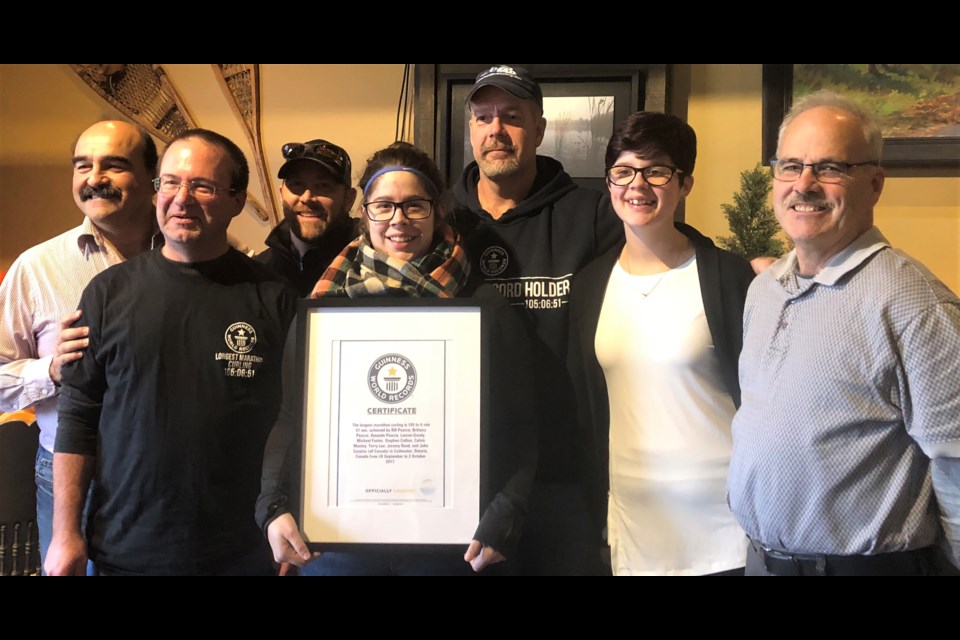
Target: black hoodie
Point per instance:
(303, 272)
(531, 254)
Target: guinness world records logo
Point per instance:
(494, 261)
(240, 337)
(392, 378)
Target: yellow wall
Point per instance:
(724, 109)
(920, 215)
(43, 108)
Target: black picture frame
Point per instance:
(442, 88)
(936, 153)
(377, 306)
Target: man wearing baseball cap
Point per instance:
(516, 81)
(529, 228)
(317, 196)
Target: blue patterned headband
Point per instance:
(373, 178)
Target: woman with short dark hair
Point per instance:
(655, 336)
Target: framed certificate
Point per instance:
(392, 408)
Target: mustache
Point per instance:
(318, 210)
(104, 191)
(498, 146)
(811, 199)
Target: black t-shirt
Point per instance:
(175, 397)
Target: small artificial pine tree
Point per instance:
(751, 218)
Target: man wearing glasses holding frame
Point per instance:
(316, 195)
(846, 457)
(170, 407)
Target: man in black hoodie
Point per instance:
(528, 230)
(317, 198)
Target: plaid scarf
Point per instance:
(361, 271)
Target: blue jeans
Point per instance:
(44, 480)
(389, 562)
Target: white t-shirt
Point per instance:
(670, 437)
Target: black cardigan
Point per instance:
(724, 280)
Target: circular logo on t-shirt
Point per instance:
(493, 261)
(240, 337)
(392, 378)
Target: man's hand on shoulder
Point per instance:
(70, 345)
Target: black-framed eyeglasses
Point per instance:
(317, 151)
(655, 175)
(199, 189)
(413, 209)
(823, 172)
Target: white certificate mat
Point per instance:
(392, 423)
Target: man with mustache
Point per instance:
(170, 407)
(529, 228)
(317, 197)
(113, 164)
(846, 448)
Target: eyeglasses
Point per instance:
(317, 151)
(823, 172)
(170, 186)
(383, 210)
(656, 175)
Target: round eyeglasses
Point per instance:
(823, 172)
(384, 210)
(655, 175)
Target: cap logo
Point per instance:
(502, 70)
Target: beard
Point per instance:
(499, 168)
(308, 229)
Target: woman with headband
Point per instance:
(406, 248)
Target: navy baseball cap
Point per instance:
(516, 81)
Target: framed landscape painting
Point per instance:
(918, 105)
